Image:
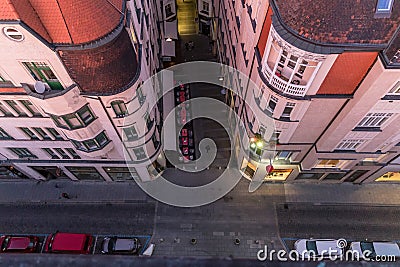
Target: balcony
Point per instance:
(281, 83)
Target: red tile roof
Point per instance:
(347, 72)
(339, 21)
(65, 21)
(12, 90)
(105, 69)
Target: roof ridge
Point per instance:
(66, 25)
(14, 10)
(40, 20)
(119, 11)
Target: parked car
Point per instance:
(316, 248)
(19, 243)
(370, 250)
(69, 243)
(117, 245)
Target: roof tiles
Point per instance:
(339, 21)
(113, 65)
(65, 21)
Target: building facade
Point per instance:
(328, 73)
(69, 70)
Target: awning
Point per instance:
(168, 106)
(171, 29)
(168, 48)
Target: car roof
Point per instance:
(124, 244)
(386, 248)
(20, 242)
(69, 242)
(326, 244)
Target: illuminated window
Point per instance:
(278, 175)
(330, 163)
(389, 177)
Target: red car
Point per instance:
(19, 243)
(69, 243)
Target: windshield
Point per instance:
(312, 246)
(111, 244)
(5, 243)
(367, 246)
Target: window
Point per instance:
(42, 133)
(275, 136)
(355, 175)
(72, 153)
(62, 153)
(51, 153)
(121, 173)
(13, 34)
(272, 104)
(119, 108)
(206, 8)
(32, 109)
(4, 81)
(23, 153)
(283, 155)
(5, 110)
(335, 176)
(349, 144)
(140, 95)
(384, 5)
(4, 135)
(139, 152)
(131, 133)
(85, 173)
(82, 118)
(40, 71)
(16, 108)
(330, 163)
(395, 89)
(149, 121)
(287, 111)
(29, 133)
(374, 119)
(168, 11)
(309, 176)
(56, 134)
(100, 141)
(292, 62)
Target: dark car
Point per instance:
(19, 243)
(117, 245)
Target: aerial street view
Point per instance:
(200, 133)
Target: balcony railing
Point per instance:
(282, 85)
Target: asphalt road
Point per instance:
(106, 219)
(376, 223)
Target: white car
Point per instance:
(370, 250)
(318, 248)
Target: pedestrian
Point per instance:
(187, 46)
(191, 45)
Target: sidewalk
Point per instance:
(125, 192)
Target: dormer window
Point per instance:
(383, 8)
(384, 5)
(13, 34)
